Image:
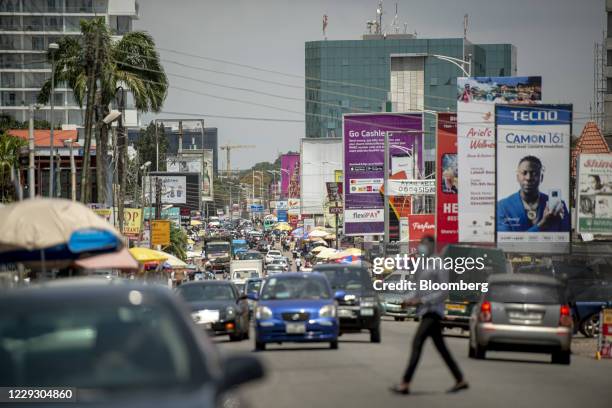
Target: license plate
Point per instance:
(367, 312)
(458, 308)
(345, 313)
(295, 328)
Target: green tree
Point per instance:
(10, 150)
(178, 242)
(146, 146)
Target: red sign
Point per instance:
(446, 169)
(421, 225)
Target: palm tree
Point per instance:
(95, 67)
(10, 148)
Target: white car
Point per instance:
(282, 261)
(273, 254)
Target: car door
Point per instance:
(243, 309)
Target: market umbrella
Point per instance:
(282, 226)
(318, 249)
(173, 262)
(347, 252)
(145, 255)
(298, 232)
(115, 260)
(317, 233)
(326, 253)
(190, 241)
(195, 223)
(53, 230)
(319, 242)
(350, 259)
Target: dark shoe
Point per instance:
(398, 389)
(458, 387)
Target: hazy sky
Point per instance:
(554, 38)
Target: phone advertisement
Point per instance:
(532, 178)
(594, 193)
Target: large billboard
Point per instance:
(532, 177)
(476, 147)
(319, 160)
(594, 194)
(290, 175)
(200, 162)
(181, 189)
(363, 137)
(446, 183)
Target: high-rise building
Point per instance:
(27, 27)
(400, 70)
(606, 69)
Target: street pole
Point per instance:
(336, 228)
(52, 136)
(31, 147)
(72, 173)
(386, 195)
(151, 205)
(156, 148)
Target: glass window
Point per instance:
(53, 23)
(9, 23)
(295, 288)
(79, 6)
(609, 25)
(525, 293)
(34, 61)
(10, 42)
(609, 58)
(9, 80)
(34, 79)
(609, 85)
(33, 23)
(9, 5)
(204, 292)
(9, 98)
(34, 42)
(75, 116)
(10, 61)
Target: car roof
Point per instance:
(522, 278)
(307, 275)
(329, 267)
(207, 282)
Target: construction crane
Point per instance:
(228, 149)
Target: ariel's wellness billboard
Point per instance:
(446, 167)
(532, 177)
(363, 138)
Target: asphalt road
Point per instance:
(358, 374)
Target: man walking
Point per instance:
(431, 311)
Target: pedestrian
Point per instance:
(430, 309)
(298, 264)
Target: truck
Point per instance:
(240, 271)
(238, 246)
(218, 255)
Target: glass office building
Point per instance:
(353, 76)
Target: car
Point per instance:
(392, 300)
(252, 285)
(359, 305)
(115, 341)
(295, 307)
(250, 256)
(262, 245)
(521, 312)
(272, 255)
(218, 307)
(282, 262)
(586, 305)
(272, 269)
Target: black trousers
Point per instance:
(430, 327)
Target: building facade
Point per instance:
(352, 76)
(27, 27)
(606, 122)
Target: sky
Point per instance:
(554, 39)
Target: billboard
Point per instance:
(290, 175)
(192, 162)
(363, 136)
(446, 183)
(594, 194)
(532, 177)
(319, 159)
(131, 222)
(476, 147)
(182, 189)
(293, 206)
(420, 225)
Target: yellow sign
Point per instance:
(160, 232)
(131, 222)
(105, 213)
(338, 176)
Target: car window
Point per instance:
(525, 293)
(245, 274)
(200, 293)
(253, 286)
(347, 278)
(295, 288)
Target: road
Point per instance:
(358, 374)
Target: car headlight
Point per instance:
(367, 302)
(327, 311)
(263, 313)
(230, 312)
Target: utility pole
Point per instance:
(386, 195)
(31, 147)
(52, 48)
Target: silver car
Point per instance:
(392, 300)
(521, 312)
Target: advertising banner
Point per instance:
(281, 215)
(594, 194)
(131, 222)
(201, 163)
(309, 225)
(290, 175)
(334, 191)
(183, 189)
(421, 225)
(604, 339)
(319, 158)
(476, 147)
(364, 136)
(532, 177)
(411, 187)
(293, 206)
(160, 232)
(447, 171)
(184, 164)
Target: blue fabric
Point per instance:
(512, 217)
(87, 240)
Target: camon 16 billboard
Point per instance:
(476, 102)
(532, 178)
(290, 175)
(363, 138)
(594, 193)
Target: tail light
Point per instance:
(565, 316)
(485, 311)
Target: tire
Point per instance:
(236, 337)
(375, 335)
(589, 327)
(245, 335)
(396, 318)
(260, 346)
(333, 345)
(401, 319)
(471, 352)
(478, 352)
(561, 357)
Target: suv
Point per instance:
(359, 306)
(272, 255)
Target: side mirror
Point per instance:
(252, 296)
(241, 297)
(240, 369)
(339, 295)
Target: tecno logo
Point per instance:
(535, 115)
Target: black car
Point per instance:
(218, 306)
(115, 342)
(360, 307)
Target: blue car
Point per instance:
(295, 307)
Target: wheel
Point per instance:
(590, 326)
(478, 352)
(236, 337)
(333, 345)
(375, 335)
(396, 318)
(260, 346)
(471, 351)
(561, 357)
(401, 319)
(245, 335)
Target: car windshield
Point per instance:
(253, 286)
(217, 248)
(347, 278)
(204, 292)
(525, 293)
(95, 345)
(295, 288)
(245, 274)
(279, 261)
(240, 287)
(251, 256)
(274, 253)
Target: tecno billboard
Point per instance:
(476, 102)
(363, 139)
(446, 183)
(532, 178)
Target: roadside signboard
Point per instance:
(594, 194)
(160, 232)
(447, 179)
(131, 222)
(604, 343)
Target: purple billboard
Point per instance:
(363, 137)
(290, 175)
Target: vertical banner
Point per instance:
(476, 147)
(594, 200)
(207, 175)
(532, 178)
(446, 168)
(290, 175)
(363, 137)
